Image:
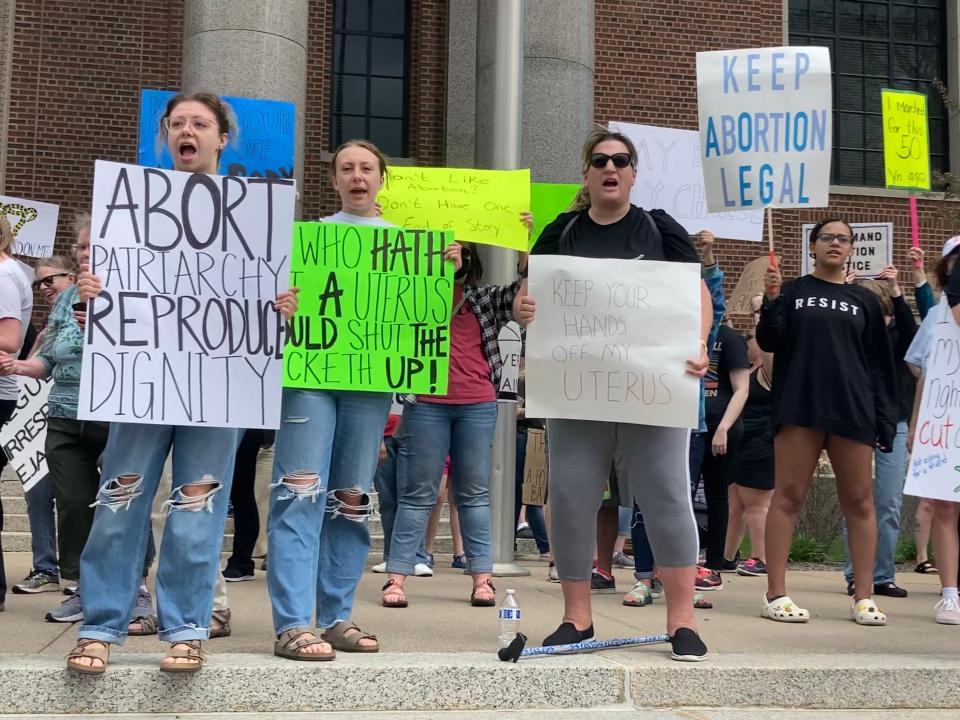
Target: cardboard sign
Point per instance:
(481, 206)
(510, 344)
(748, 286)
(264, 147)
(670, 177)
(906, 143)
(872, 248)
(934, 470)
(24, 437)
(611, 339)
(185, 331)
(375, 308)
(34, 225)
(535, 469)
(766, 127)
(547, 200)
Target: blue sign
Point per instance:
(263, 148)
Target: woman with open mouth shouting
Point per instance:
(196, 128)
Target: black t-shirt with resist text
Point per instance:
(729, 353)
(630, 238)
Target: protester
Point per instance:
(946, 543)
(890, 468)
(246, 516)
(834, 388)
(651, 462)
(52, 276)
(327, 450)
(752, 486)
(196, 128)
(459, 424)
(16, 306)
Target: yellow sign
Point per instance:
(481, 206)
(906, 149)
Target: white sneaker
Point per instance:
(552, 574)
(948, 612)
(422, 570)
(379, 567)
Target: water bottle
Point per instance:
(509, 619)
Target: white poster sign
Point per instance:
(24, 437)
(872, 249)
(670, 177)
(611, 339)
(34, 225)
(185, 331)
(934, 470)
(510, 343)
(766, 119)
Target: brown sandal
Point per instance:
(83, 650)
(147, 623)
(340, 638)
(192, 652)
(290, 645)
(398, 591)
(484, 602)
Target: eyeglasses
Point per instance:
(176, 124)
(48, 280)
(600, 160)
(830, 237)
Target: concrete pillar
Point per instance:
(8, 10)
(557, 85)
(250, 48)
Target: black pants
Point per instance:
(246, 518)
(717, 473)
(6, 410)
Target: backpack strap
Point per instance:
(564, 241)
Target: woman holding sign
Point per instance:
(651, 462)
(196, 128)
(834, 387)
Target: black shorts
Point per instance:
(754, 469)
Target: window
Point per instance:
(371, 45)
(875, 44)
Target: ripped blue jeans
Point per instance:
(325, 458)
(112, 559)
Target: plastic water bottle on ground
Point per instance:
(509, 619)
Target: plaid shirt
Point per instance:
(493, 306)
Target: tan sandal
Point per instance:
(147, 623)
(83, 650)
(291, 643)
(192, 652)
(340, 638)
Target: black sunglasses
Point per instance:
(600, 160)
(48, 280)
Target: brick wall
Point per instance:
(6, 28)
(427, 95)
(646, 73)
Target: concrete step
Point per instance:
(624, 712)
(15, 505)
(434, 682)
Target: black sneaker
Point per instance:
(850, 588)
(731, 565)
(687, 646)
(600, 582)
(890, 589)
(234, 574)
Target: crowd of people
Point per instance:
(828, 364)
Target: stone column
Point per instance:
(250, 48)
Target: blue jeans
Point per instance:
(891, 469)
(43, 527)
(535, 518)
(431, 432)
(385, 482)
(316, 551)
(113, 558)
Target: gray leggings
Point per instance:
(652, 470)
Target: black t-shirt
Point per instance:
(833, 365)
(630, 238)
(729, 353)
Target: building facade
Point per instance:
(406, 73)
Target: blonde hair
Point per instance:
(6, 236)
(882, 291)
(594, 138)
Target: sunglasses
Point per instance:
(48, 280)
(600, 160)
